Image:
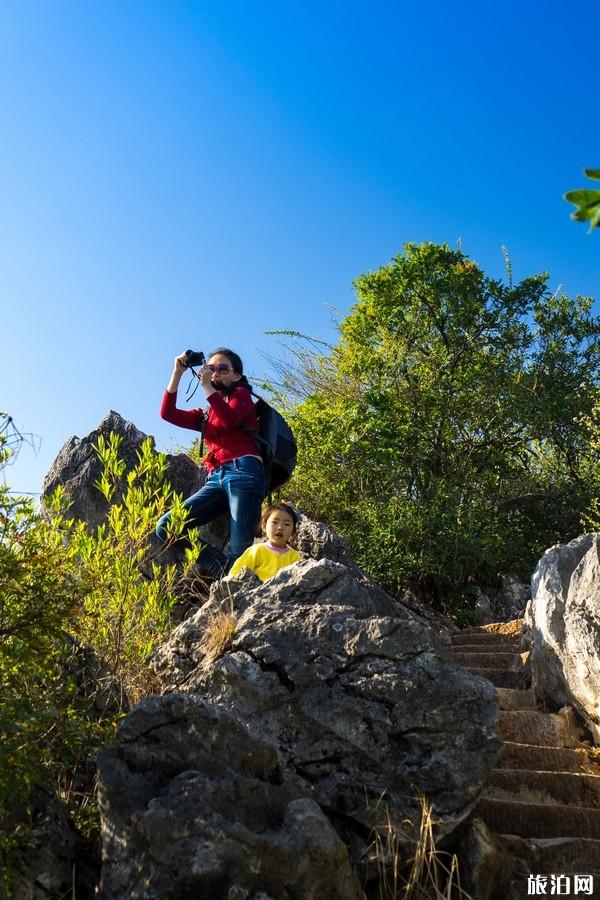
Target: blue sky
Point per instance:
(189, 174)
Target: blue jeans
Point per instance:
(237, 486)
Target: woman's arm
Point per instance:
(185, 418)
(231, 415)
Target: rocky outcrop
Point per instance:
(341, 691)
(315, 540)
(77, 469)
(563, 618)
(511, 600)
(193, 805)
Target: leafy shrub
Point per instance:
(129, 595)
(443, 433)
(80, 614)
(47, 729)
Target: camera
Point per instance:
(195, 357)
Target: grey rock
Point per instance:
(482, 863)
(193, 805)
(563, 621)
(483, 607)
(511, 600)
(77, 469)
(360, 702)
(315, 540)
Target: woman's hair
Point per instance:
(236, 363)
(282, 507)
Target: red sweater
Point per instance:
(222, 432)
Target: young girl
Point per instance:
(279, 522)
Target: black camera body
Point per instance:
(195, 357)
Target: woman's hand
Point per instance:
(205, 376)
(179, 367)
(180, 363)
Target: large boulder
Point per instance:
(193, 805)
(563, 618)
(343, 712)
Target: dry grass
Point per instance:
(139, 683)
(423, 873)
(218, 635)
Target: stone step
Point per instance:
(512, 698)
(486, 638)
(545, 759)
(539, 820)
(507, 661)
(499, 677)
(527, 726)
(568, 788)
(566, 855)
(486, 648)
(511, 628)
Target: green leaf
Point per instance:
(593, 173)
(583, 197)
(583, 214)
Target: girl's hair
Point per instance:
(236, 362)
(283, 507)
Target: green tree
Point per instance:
(442, 432)
(590, 467)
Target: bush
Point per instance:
(443, 435)
(80, 614)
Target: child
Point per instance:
(279, 522)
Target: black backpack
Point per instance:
(276, 443)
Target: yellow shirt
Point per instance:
(263, 561)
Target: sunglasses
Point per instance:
(221, 368)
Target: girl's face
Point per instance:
(222, 370)
(279, 527)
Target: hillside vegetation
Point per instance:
(453, 432)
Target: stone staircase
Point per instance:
(542, 803)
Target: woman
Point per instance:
(236, 478)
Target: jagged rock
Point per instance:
(352, 691)
(511, 600)
(77, 468)
(482, 863)
(482, 606)
(194, 805)
(317, 541)
(563, 618)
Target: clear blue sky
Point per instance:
(189, 174)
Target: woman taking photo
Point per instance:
(235, 475)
